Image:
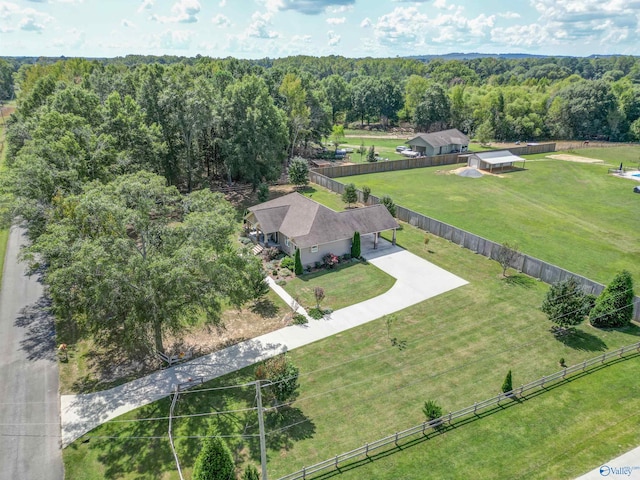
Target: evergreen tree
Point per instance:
(614, 306)
(214, 462)
(507, 385)
(355, 245)
(251, 473)
(298, 263)
(366, 192)
(387, 201)
(371, 154)
(263, 192)
(566, 304)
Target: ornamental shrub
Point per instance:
(288, 262)
(355, 245)
(330, 260)
(251, 473)
(315, 313)
(507, 385)
(283, 375)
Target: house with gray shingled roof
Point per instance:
(295, 222)
(439, 143)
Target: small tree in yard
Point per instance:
(566, 304)
(432, 411)
(263, 192)
(371, 154)
(507, 385)
(283, 376)
(614, 306)
(298, 270)
(298, 172)
(350, 194)
(251, 473)
(355, 245)
(214, 461)
(387, 201)
(507, 253)
(366, 191)
(318, 292)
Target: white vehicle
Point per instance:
(410, 153)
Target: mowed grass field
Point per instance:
(359, 386)
(573, 215)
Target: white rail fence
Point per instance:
(425, 427)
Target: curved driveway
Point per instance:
(29, 407)
(416, 280)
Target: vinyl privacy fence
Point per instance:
(428, 427)
(534, 267)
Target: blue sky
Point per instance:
(353, 28)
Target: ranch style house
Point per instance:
(439, 143)
(294, 221)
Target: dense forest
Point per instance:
(199, 120)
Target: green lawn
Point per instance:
(570, 214)
(358, 386)
(629, 156)
(345, 285)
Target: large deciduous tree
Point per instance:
(298, 172)
(257, 131)
(132, 261)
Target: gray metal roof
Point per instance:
(497, 157)
(309, 223)
(452, 136)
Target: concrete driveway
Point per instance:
(416, 280)
(29, 409)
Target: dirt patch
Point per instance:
(574, 158)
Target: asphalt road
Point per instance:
(29, 397)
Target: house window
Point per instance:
(286, 241)
(314, 249)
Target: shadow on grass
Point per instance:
(450, 428)
(580, 340)
(520, 280)
(265, 308)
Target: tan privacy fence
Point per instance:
(421, 162)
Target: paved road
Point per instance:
(29, 405)
(416, 280)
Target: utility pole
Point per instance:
(263, 448)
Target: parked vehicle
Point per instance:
(636, 189)
(410, 153)
(401, 148)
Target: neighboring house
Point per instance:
(296, 222)
(440, 143)
(494, 160)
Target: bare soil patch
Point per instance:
(574, 158)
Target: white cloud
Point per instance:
(221, 20)
(336, 20)
(340, 9)
(573, 23)
(145, 5)
(312, 7)
(259, 26)
(223, 3)
(183, 11)
(334, 38)
(174, 39)
(298, 39)
(509, 15)
(127, 24)
(366, 23)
